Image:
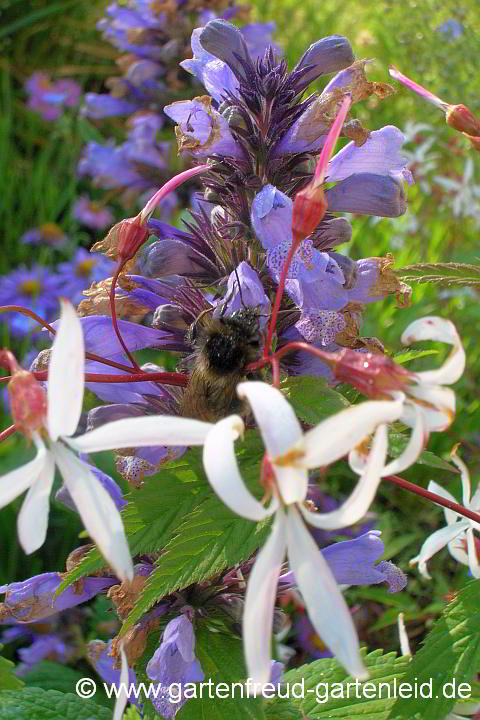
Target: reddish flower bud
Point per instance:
(309, 208)
(372, 374)
(131, 234)
(29, 402)
(461, 118)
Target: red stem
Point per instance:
(278, 297)
(327, 357)
(41, 321)
(113, 311)
(6, 433)
(167, 378)
(433, 497)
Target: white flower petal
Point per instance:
(260, 602)
(436, 403)
(457, 549)
(97, 510)
(465, 475)
(275, 417)
(335, 437)
(436, 328)
(355, 507)
(122, 698)
(436, 542)
(222, 470)
(32, 521)
(17, 481)
(450, 515)
(142, 432)
(472, 555)
(65, 375)
(292, 483)
(326, 607)
(414, 447)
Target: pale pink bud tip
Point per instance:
(373, 374)
(419, 89)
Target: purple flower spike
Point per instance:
(201, 130)
(35, 598)
(327, 55)
(174, 662)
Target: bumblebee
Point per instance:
(224, 346)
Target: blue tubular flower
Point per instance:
(62, 495)
(250, 294)
(102, 106)
(50, 646)
(139, 164)
(352, 562)
(174, 662)
(201, 130)
(100, 655)
(36, 598)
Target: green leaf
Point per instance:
(447, 274)
(53, 676)
(221, 658)
(397, 444)
(209, 540)
(345, 699)
(311, 399)
(37, 704)
(8, 681)
(407, 355)
(451, 652)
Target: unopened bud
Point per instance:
(29, 402)
(374, 375)
(461, 118)
(309, 208)
(131, 233)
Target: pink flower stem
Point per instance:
(41, 321)
(7, 433)
(168, 378)
(433, 497)
(113, 311)
(278, 297)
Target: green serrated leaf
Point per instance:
(221, 658)
(448, 274)
(324, 690)
(8, 681)
(209, 540)
(451, 652)
(37, 704)
(53, 676)
(311, 399)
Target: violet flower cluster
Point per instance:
(152, 39)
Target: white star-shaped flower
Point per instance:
(64, 406)
(428, 405)
(290, 454)
(458, 533)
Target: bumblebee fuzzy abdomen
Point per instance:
(224, 353)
